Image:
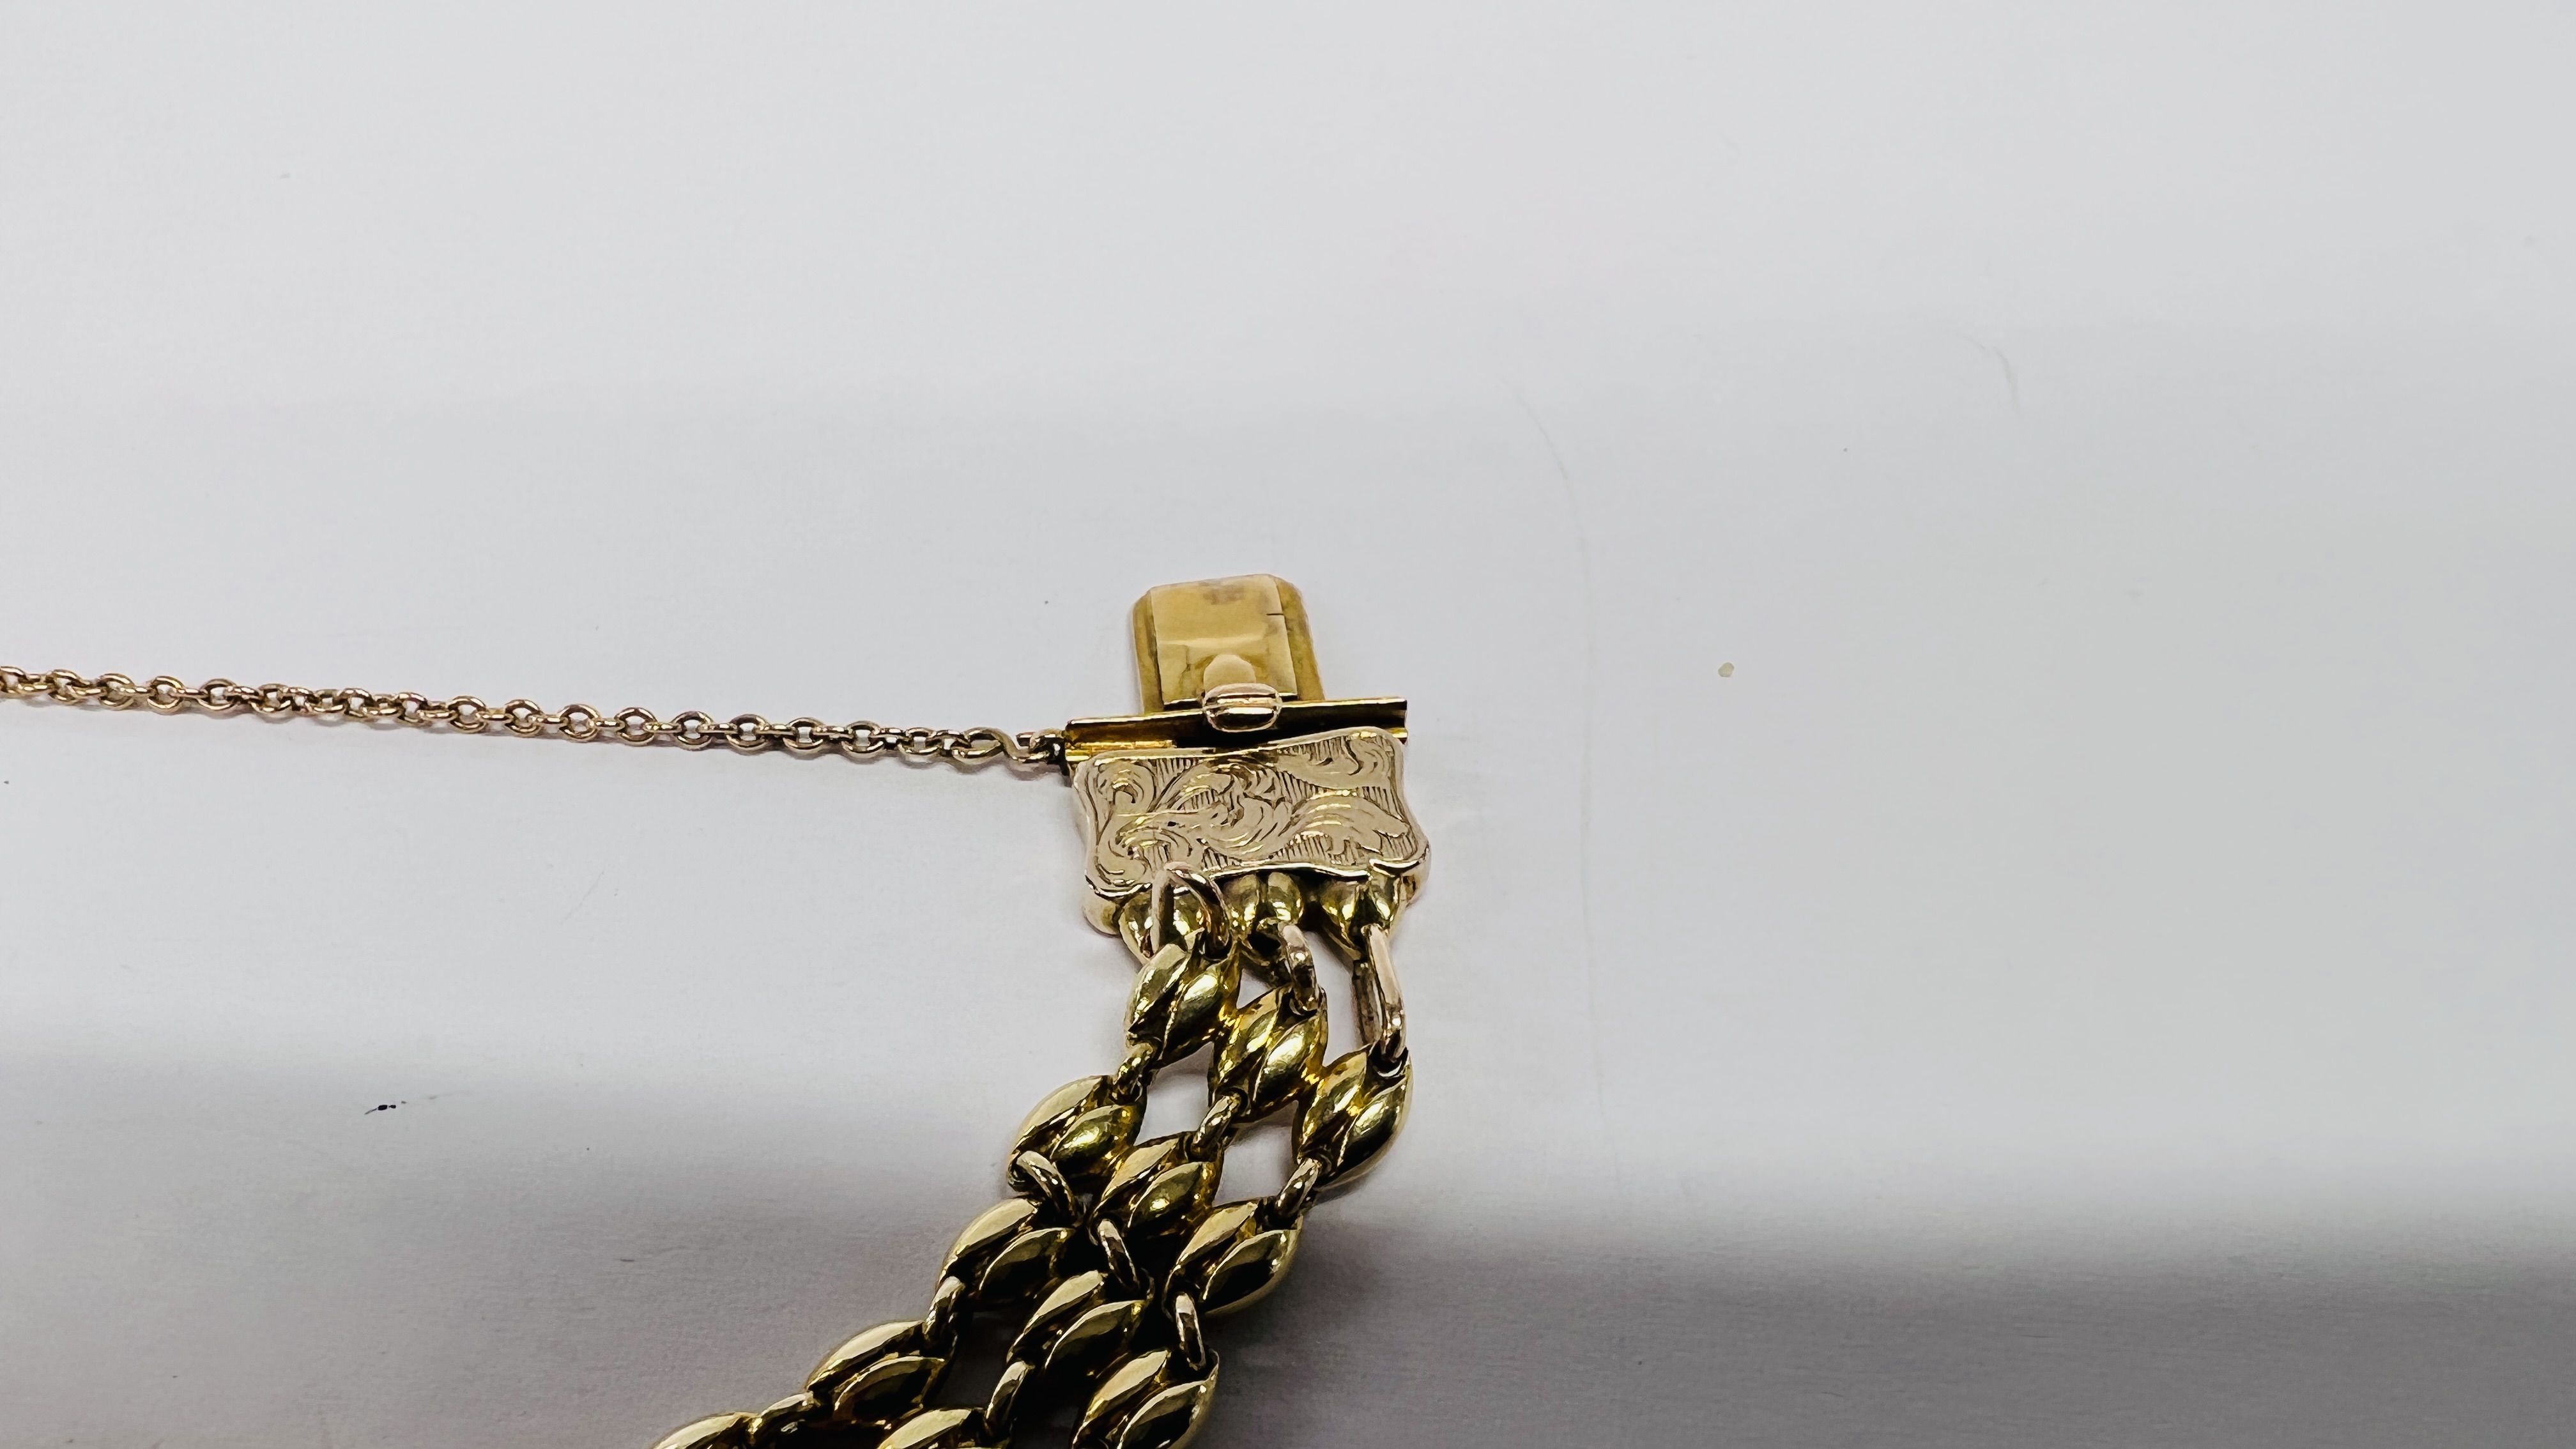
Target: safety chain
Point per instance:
(748, 734)
(1118, 1243)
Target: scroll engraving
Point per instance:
(1331, 803)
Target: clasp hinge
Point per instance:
(1221, 664)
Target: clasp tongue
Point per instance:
(1236, 647)
(1224, 664)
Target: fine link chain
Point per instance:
(1119, 1244)
(748, 734)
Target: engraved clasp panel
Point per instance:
(1239, 765)
(1329, 804)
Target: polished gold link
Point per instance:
(1064, 1303)
(1094, 1341)
(863, 738)
(780, 1424)
(1298, 1193)
(1025, 1266)
(805, 736)
(1272, 1053)
(977, 744)
(1106, 1234)
(1189, 1336)
(1180, 999)
(932, 1429)
(1172, 1200)
(1247, 1273)
(1135, 1172)
(1170, 1417)
(945, 1316)
(1053, 1113)
(1150, 1399)
(1121, 1389)
(1113, 1251)
(888, 1389)
(1135, 1073)
(1215, 1236)
(1033, 1174)
(1217, 1128)
(1182, 906)
(693, 729)
(1380, 1001)
(1296, 968)
(1038, 747)
(1353, 1115)
(1002, 1408)
(985, 1236)
(861, 1350)
(1090, 1144)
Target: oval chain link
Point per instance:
(748, 734)
(1113, 1252)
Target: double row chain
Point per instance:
(749, 734)
(1120, 1244)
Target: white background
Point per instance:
(2098, 973)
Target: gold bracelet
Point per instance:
(1237, 818)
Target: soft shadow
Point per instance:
(1387, 1338)
(192, 1258)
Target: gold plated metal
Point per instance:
(1223, 633)
(748, 734)
(1191, 729)
(1222, 664)
(1332, 804)
(1242, 824)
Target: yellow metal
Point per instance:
(1188, 729)
(466, 714)
(1250, 629)
(1222, 664)
(1242, 825)
(1330, 804)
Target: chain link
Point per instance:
(1113, 1253)
(748, 734)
